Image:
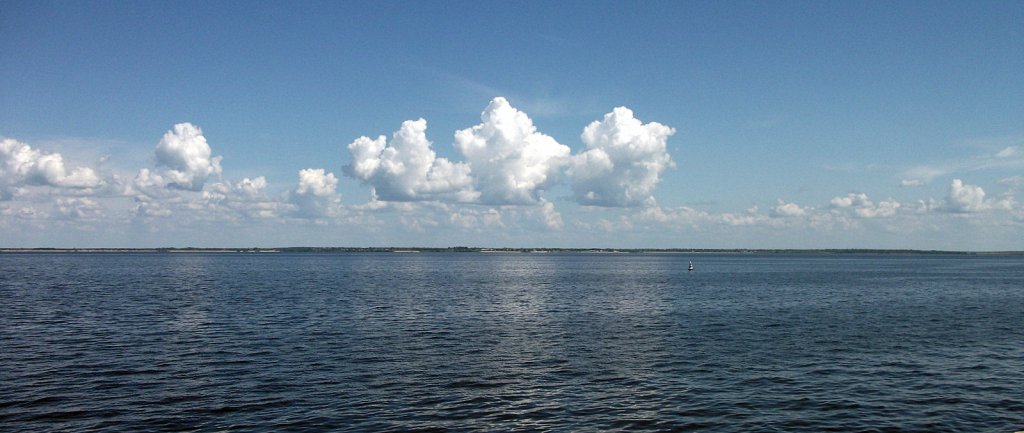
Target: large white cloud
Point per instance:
(187, 156)
(511, 162)
(21, 165)
(315, 195)
(408, 169)
(623, 161)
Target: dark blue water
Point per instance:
(510, 342)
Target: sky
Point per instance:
(661, 124)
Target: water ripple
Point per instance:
(510, 342)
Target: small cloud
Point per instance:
(146, 182)
(862, 207)
(251, 187)
(149, 208)
(552, 219)
(963, 198)
(1009, 152)
(925, 173)
(911, 183)
(81, 208)
(245, 198)
(787, 210)
(316, 182)
(468, 218)
(315, 195)
(851, 199)
(464, 219)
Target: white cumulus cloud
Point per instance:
(21, 165)
(251, 187)
(863, 207)
(510, 161)
(408, 169)
(245, 188)
(146, 183)
(964, 198)
(187, 156)
(315, 195)
(316, 182)
(623, 161)
(787, 210)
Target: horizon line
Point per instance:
(465, 249)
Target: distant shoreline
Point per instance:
(503, 250)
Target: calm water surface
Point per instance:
(510, 342)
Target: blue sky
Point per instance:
(750, 124)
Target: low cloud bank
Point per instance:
(21, 166)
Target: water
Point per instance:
(510, 342)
